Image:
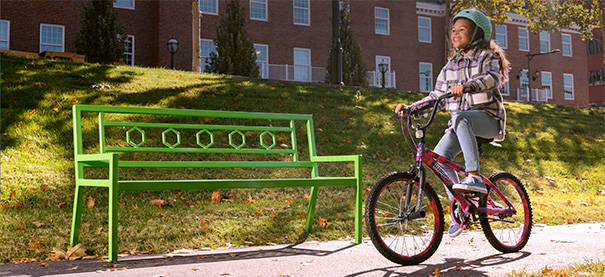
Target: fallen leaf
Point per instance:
(437, 273)
(76, 252)
(250, 200)
(216, 197)
(38, 224)
(59, 254)
(323, 222)
(43, 265)
(91, 202)
(73, 268)
(35, 244)
(158, 202)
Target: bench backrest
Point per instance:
(190, 131)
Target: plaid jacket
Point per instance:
(480, 68)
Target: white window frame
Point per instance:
(543, 77)
(131, 7)
(296, 9)
(379, 59)
(505, 35)
(263, 5)
(524, 79)
(428, 79)
(563, 43)
(298, 67)
(505, 89)
(8, 33)
(202, 57)
(264, 64)
(131, 54)
(215, 12)
(567, 86)
(62, 38)
(546, 41)
(526, 38)
(387, 19)
(425, 28)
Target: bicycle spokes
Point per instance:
(400, 232)
(507, 224)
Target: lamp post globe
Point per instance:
(383, 67)
(173, 46)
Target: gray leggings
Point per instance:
(465, 126)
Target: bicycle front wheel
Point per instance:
(396, 232)
(507, 231)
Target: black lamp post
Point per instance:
(172, 45)
(529, 57)
(383, 67)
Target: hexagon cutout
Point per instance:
(178, 138)
(199, 140)
(134, 144)
(233, 143)
(262, 141)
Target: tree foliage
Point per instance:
(354, 71)
(235, 53)
(542, 15)
(100, 37)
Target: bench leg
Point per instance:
(113, 209)
(75, 222)
(358, 212)
(358, 202)
(311, 209)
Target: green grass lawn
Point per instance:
(556, 151)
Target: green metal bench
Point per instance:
(194, 134)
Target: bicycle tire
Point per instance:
(512, 234)
(414, 240)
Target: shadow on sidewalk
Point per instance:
(160, 260)
(451, 266)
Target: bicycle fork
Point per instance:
(417, 212)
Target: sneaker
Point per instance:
(471, 183)
(454, 231)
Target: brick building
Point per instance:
(293, 39)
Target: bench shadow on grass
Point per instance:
(161, 260)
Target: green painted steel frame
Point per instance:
(109, 158)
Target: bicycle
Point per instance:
(404, 217)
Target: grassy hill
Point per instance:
(558, 152)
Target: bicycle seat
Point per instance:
(481, 141)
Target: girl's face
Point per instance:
(461, 33)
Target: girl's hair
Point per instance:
(503, 61)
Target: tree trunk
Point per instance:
(447, 26)
(196, 22)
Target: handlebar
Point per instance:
(437, 102)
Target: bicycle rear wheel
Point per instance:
(507, 232)
(397, 236)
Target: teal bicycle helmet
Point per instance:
(481, 21)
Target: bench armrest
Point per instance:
(95, 160)
(341, 158)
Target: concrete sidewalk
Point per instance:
(467, 255)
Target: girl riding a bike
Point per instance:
(474, 75)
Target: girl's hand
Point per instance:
(400, 107)
(458, 90)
